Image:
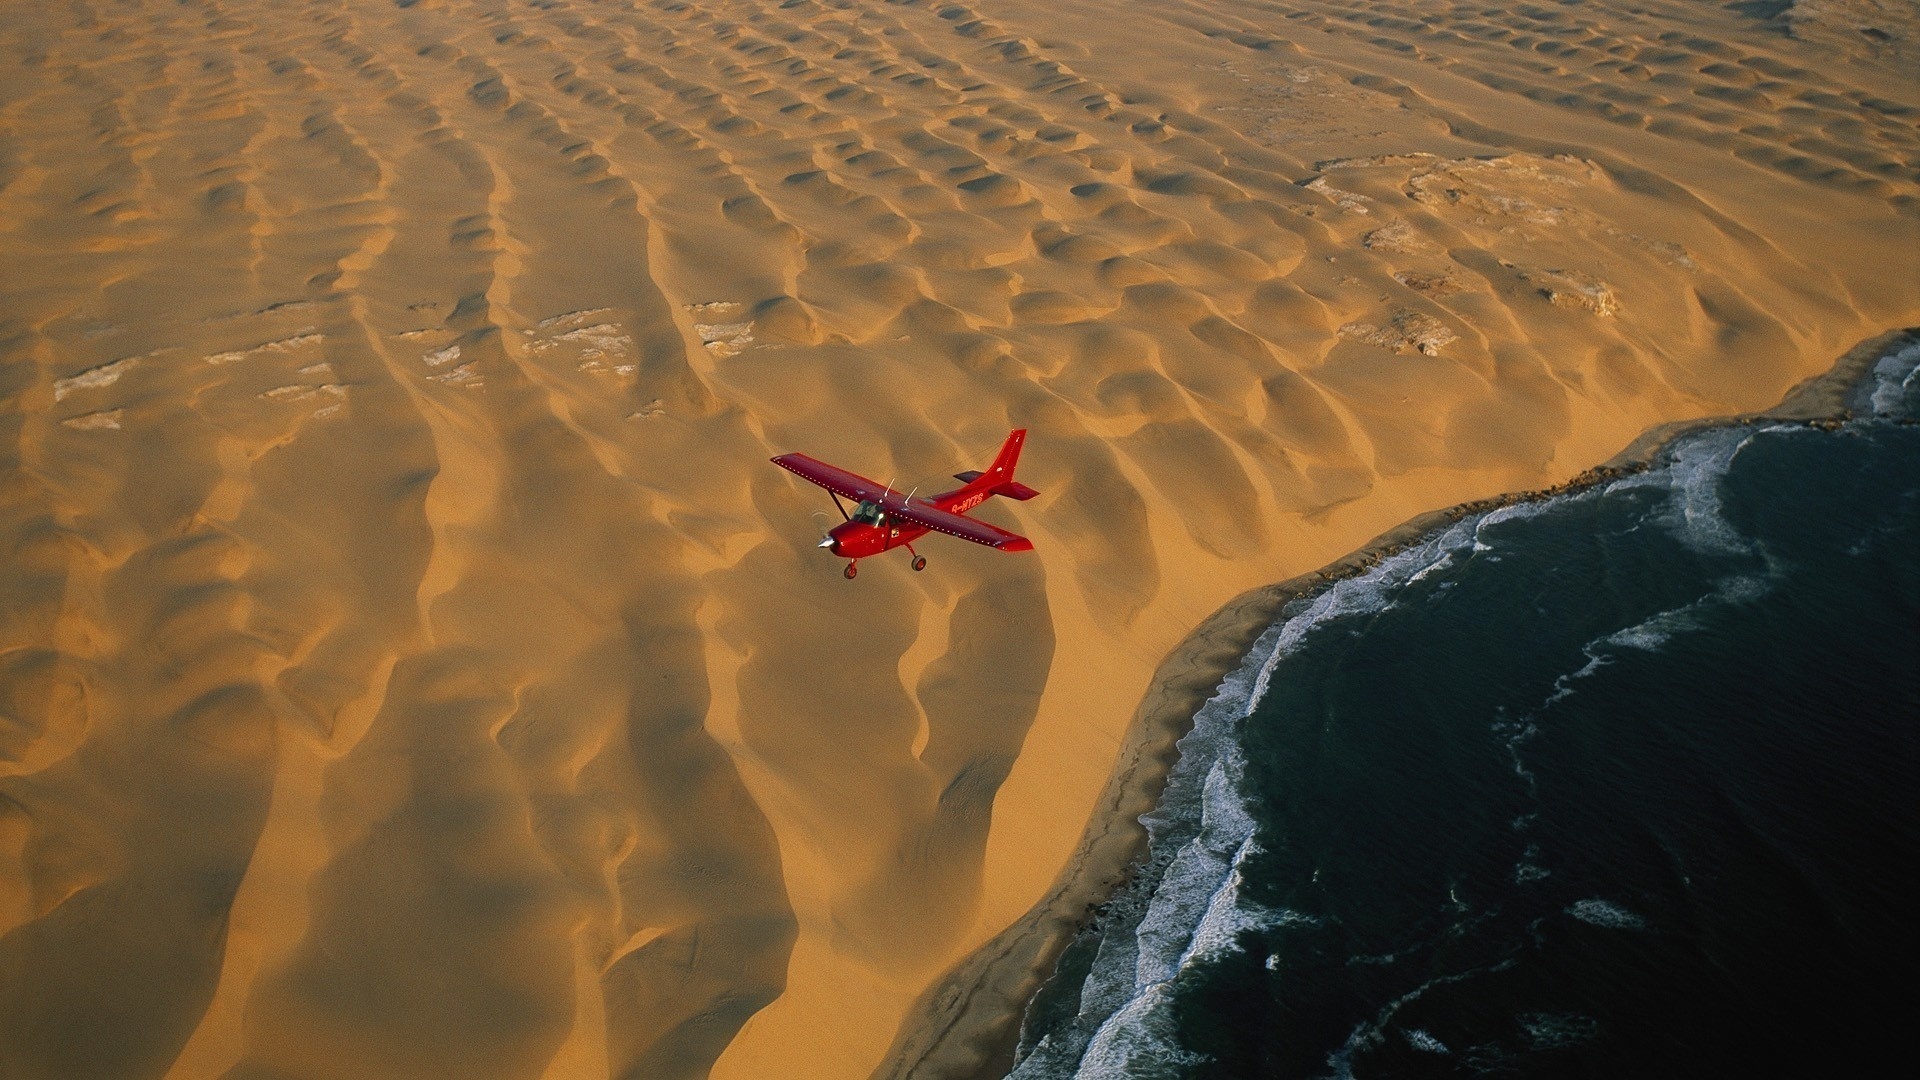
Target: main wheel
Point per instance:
(919, 562)
(852, 571)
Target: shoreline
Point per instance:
(967, 1026)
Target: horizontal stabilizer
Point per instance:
(967, 477)
(1013, 489)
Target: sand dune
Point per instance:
(411, 666)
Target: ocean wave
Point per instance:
(1424, 1040)
(1693, 473)
(1893, 388)
(1649, 634)
(1196, 911)
(1371, 1032)
(1187, 906)
(1514, 735)
(1137, 1042)
(1554, 1031)
(1656, 631)
(1605, 913)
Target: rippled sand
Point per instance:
(410, 665)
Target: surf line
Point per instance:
(969, 1023)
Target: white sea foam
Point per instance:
(1369, 592)
(1690, 476)
(1651, 633)
(1423, 1040)
(1742, 588)
(1895, 385)
(1511, 512)
(1692, 511)
(1698, 465)
(1605, 913)
(1228, 915)
(1519, 511)
(1548, 1031)
(1563, 687)
(1136, 1041)
(1195, 913)
(1444, 562)
(1659, 629)
(1369, 1033)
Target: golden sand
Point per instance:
(410, 664)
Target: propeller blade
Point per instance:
(826, 539)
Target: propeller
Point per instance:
(825, 540)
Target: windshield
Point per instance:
(867, 512)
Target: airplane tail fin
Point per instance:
(998, 479)
(1003, 462)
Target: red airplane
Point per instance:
(886, 519)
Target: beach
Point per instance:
(413, 665)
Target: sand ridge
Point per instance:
(412, 667)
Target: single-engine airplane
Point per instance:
(885, 519)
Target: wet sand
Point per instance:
(410, 664)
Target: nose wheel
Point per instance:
(852, 571)
(919, 562)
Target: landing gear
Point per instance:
(853, 571)
(919, 562)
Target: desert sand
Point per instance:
(410, 663)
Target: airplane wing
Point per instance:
(857, 487)
(832, 477)
(966, 528)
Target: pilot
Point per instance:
(868, 511)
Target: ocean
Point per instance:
(1619, 783)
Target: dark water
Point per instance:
(1617, 784)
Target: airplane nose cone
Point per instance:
(827, 543)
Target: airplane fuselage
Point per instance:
(861, 539)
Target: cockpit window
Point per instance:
(867, 512)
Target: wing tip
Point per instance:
(1018, 543)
